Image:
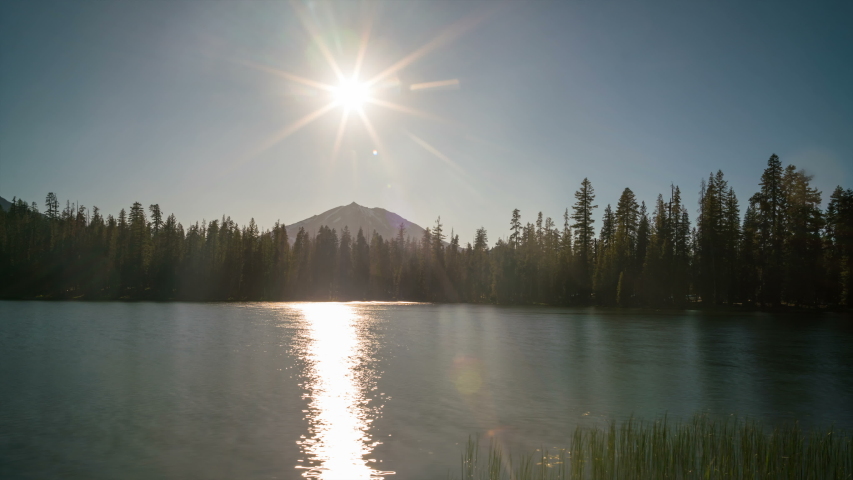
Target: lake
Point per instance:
(372, 390)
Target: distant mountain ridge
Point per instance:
(5, 204)
(355, 216)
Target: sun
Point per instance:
(351, 94)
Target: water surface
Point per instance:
(341, 391)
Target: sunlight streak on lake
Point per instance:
(337, 378)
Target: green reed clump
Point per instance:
(702, 448)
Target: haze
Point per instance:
(107, 103)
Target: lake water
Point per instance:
(343, 390)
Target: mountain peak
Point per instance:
(355, 217)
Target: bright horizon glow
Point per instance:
(351, 94)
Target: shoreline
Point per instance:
(695, 307)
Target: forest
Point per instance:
(784, 250)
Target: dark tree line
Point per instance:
(783, 250)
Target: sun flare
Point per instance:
(351, 94)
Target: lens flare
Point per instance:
(351, 94)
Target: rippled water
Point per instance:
(342, 391)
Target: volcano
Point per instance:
(355, 216)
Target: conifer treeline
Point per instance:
(783, 250)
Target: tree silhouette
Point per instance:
(584, 237)
(784, 251)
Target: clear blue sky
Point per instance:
(111, 102)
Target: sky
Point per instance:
(194, 104)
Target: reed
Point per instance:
(702, 448)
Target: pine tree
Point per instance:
(718, 239)
(345, 266)
(361, 266)
(250, 275)
(838, 241)
(425, 270)
(379, 285)
(398, 252)
(640, 251)
(732, 234)
(658, 262)
(748, 273)
(138, 249)
(584, 237)
(803, 243)
(158, 267)
(324, 260)
(682, 249)
(281, 262)
(156, 218)
(515, 228)
(567, 283)
(626, 223)
(480, 276)
(770, 205)
(606, 276)
(51, 206)
(300, 276)
(453, 269)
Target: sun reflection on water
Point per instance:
(337, 377)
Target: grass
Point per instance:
(702, 448)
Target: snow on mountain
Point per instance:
(355, 216)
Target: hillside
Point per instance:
(356, 216)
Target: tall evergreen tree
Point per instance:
(718, 237)
(642, 246)
(300, 276)
(345, 266)
(838, 241)
(584, 237)
(480, 272)
(770, 205)
(803, 243)
(515, 228)
(51, 206)
(624, 245)
(361, 266)
(657, 266)
(324, 263)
